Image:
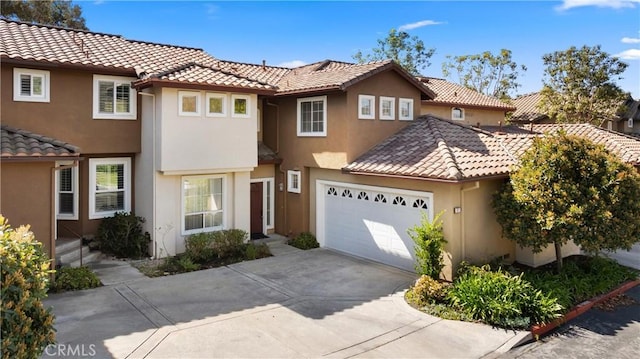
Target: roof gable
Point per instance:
(449, 93)
(527, 109)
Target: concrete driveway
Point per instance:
(309, 304)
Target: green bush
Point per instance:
(255, 251)
(27, 327)
(229, 243)
(122, 236)
(68, 278)
(304, 240)
(502, 299)
(199, 247)
(185, 264)
(427, 290)
(429, 239)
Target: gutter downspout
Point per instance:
(475, 186)
(282, 172)
(54, 216)
(153, 170)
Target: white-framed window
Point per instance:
(406, 109)
(109, 186)
(630, 122)
(66, 191)
(457, 113)
(216, 104)
(366, 107)
(188, 103)
(203, 199)
(30, 85)
(114, 98)
(241, 105)
(293, 181)
(312, 116)
(387, 108)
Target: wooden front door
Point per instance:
(256, 207)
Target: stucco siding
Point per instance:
(472, 116)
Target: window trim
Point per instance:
(454, 118)
(363, 116)
(181, 95)
(74, 177)
(324, 117)
(210, 95)
(133, 96)
(290, 182)
(402, 101)
(185, 232)
(93, 163)
(45, 75)
(392, 117)
(233, 106)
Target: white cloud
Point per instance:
(631, 54)
(415, 25)
(615, 4)
(630, 40)
(292, 64)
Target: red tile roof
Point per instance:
(437, 149)
(527, 109)
(449, 93)
(17, 143)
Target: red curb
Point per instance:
(538, 330)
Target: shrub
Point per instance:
(122, 236)
(429, 239)
(199, 247)
(255, 251)
(68, 278)
(27, 327)
(229, 243)
(427, 290)
(304, 240)
(185, 264)
(502, 299)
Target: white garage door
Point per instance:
(370, 222)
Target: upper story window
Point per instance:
(366, 107)
(457, 113)
(387, 108)
(241, 105)
(216, 104)
(406, 109)
(312, 116)
(113, 98)
(30, 85)
(189, 103)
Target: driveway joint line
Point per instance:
(135, 300)
(265, 282)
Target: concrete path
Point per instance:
(298, 304)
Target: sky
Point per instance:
(293, 33)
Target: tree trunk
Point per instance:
(558, 255)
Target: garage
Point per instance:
(370, 222)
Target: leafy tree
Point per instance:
(428, 237)
(408, 51)
(568, 188)
(579, 85)
(48, 12)
(492, 75)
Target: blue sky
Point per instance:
(298, 32)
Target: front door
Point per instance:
(256, 208)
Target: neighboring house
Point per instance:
(527, 110)
(628, 121)
(463, 105)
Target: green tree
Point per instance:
(428, 237)
(568, 188)
(408, 51)
(492, 75)
(61, 13)
(579, 85)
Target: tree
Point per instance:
(48, 12)
(568, 188)
(492, 75)
(579, 85)
(408, 51)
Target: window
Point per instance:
(366, 107)
(312, 116)
(30, 85)
(406, 109)
(216, 105)
(630, 122)
(457, 114)
(189, 103)
(240, 105)
(387, 108)
(113, 98)
(109, 186)
(293, 183)
(202, 204)
(67, 191)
